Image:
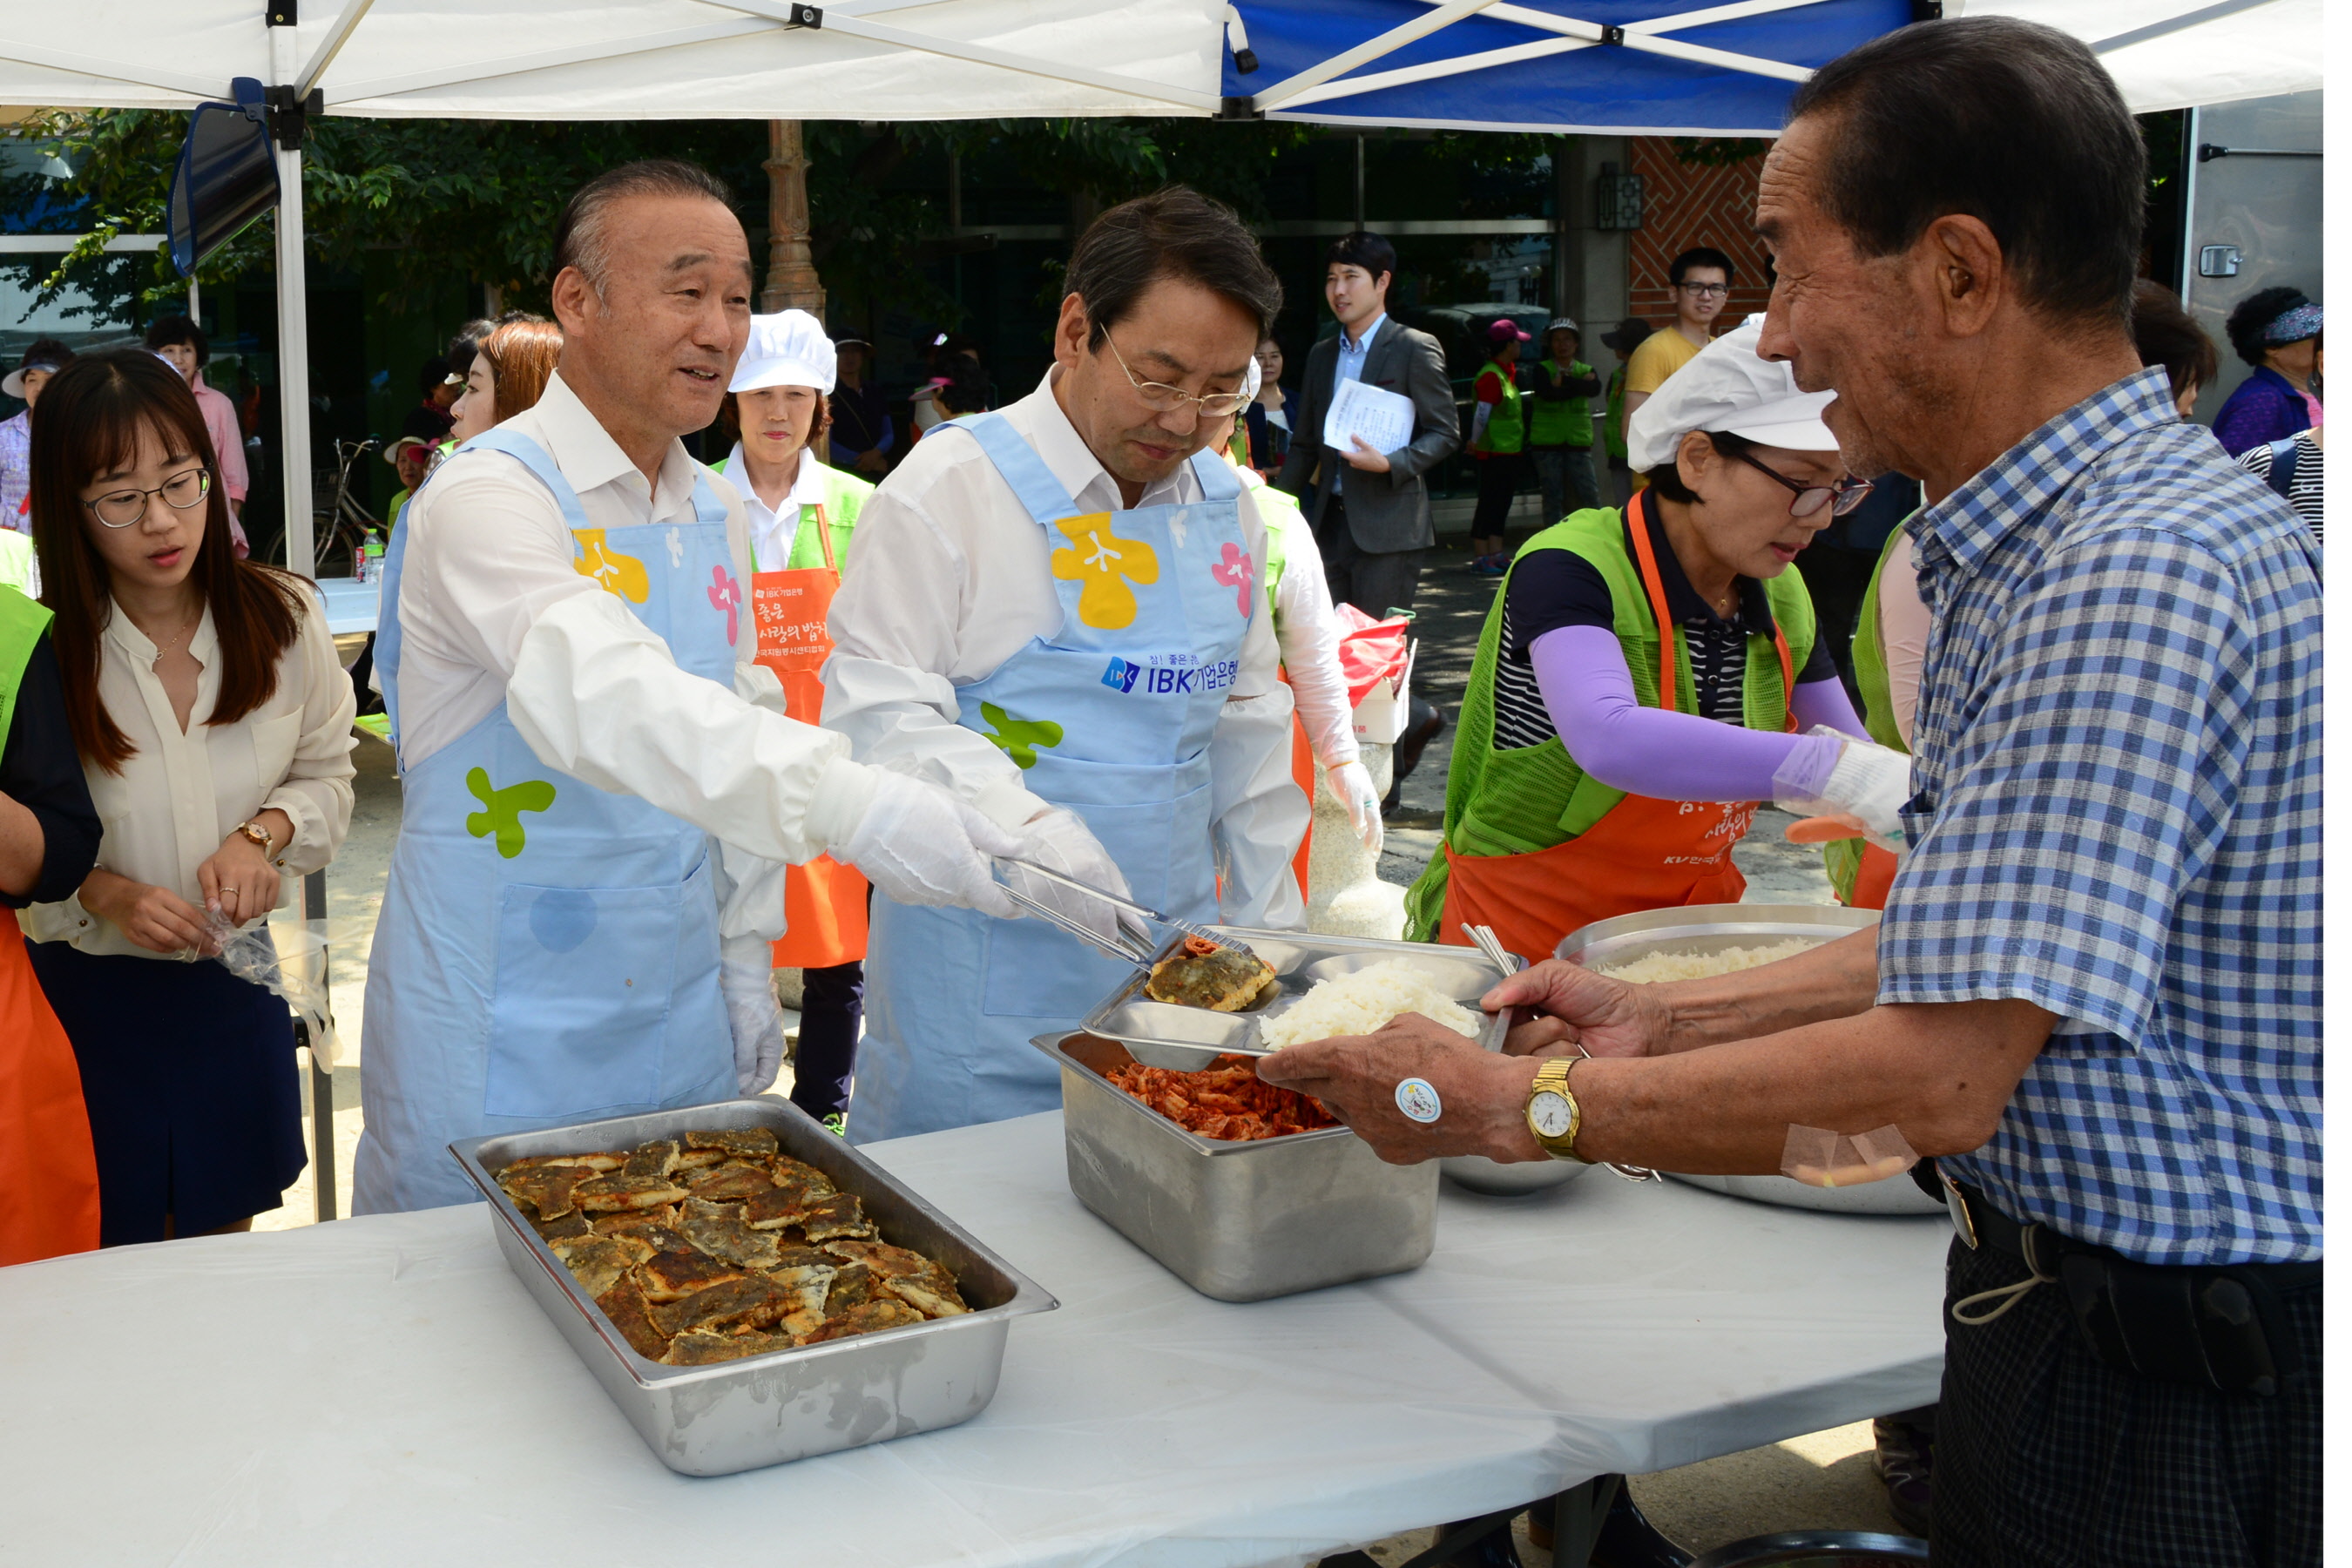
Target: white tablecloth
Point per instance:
(383, 1391)
(350, 604)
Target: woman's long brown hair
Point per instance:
(522, 356)
(90, 416)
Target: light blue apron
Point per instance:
(1110, 716)
(547, 951)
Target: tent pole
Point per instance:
(294, 367)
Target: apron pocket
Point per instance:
(1034, 970)
(581, 998)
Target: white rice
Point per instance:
(1652, 968)
(1360, 1002)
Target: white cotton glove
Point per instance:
(1859, 782)
(747, 982)
(1352, 782)
(920, 845)
(1061, 842)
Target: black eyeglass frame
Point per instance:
(1843, 496)
(203, 489)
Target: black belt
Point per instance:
(2221, 1326)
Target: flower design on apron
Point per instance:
(1102, 563)
(725, 594)
(615, 572)
(502, 809)
(1236, 570)
(1020, 738)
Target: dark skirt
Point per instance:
(188, 1072)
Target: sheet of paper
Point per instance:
(1384, 419)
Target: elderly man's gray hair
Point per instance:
(580, 239)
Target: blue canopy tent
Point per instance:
(1609, 67)
(1674, 68)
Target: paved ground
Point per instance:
(1820, 1481)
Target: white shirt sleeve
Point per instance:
(594, 692)
(1308, 627)
(316, 792)
(1258, 812)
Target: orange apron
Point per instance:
(1873, 879)
(824, 900)
(47, 1166)
(1302, 773)
(1643, 853)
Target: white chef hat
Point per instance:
(788, 348)
(1729, 387)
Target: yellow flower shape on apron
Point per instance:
(1102, 563)
(615, 572)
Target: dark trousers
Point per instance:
(1498, 484)
(2044, 1455)
(1837, 579)
(833, 1004)
(1564, 473)
(1375, 584)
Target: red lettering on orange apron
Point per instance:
(824, 901)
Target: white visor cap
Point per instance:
(1729, 387)
(788, 348)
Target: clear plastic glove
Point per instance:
(920, 845)
(1059, 841)
(1858, 782)
(747, 982)
(1352, 782)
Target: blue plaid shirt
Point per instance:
(2117, 761)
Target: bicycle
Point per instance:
(345, 522)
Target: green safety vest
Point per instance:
(1556, 422)
(1278, 509)
(1842, 857)
(1612, 424)
(15, 560)
(22, 622)
(1529, 798)
(1507, 430)
(844, 495)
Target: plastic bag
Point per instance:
(286, 959)
(1821, 1158)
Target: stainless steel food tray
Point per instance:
(1163, 1034)
(1701, 929)
(764, 1410)
(1239, 1222)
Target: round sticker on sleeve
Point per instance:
(1417, 1098)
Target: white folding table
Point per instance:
(381, 1390)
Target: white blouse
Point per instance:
(178, 794)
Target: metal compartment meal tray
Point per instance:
(1299, 959)
(764, 1410)
(1238, 1222)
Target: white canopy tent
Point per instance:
(936, 60)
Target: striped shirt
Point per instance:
(2117, 818)
(2306, 490)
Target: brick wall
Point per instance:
(1684, 205)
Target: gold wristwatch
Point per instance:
(254, 831)
(1553, 1114)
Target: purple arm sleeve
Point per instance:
(1589, 692)
(1825, 702)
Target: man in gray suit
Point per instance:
(1371, 509)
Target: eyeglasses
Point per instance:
(1162, 398)
(120, 509)
(1840, 497)
(1706, 290)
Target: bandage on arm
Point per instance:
(1589, 692)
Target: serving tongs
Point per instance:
(1136, 942)
(1484, 940)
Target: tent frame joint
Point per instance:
(1610, 35)
(806, 16)
(1240, 109)
(289, 116)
